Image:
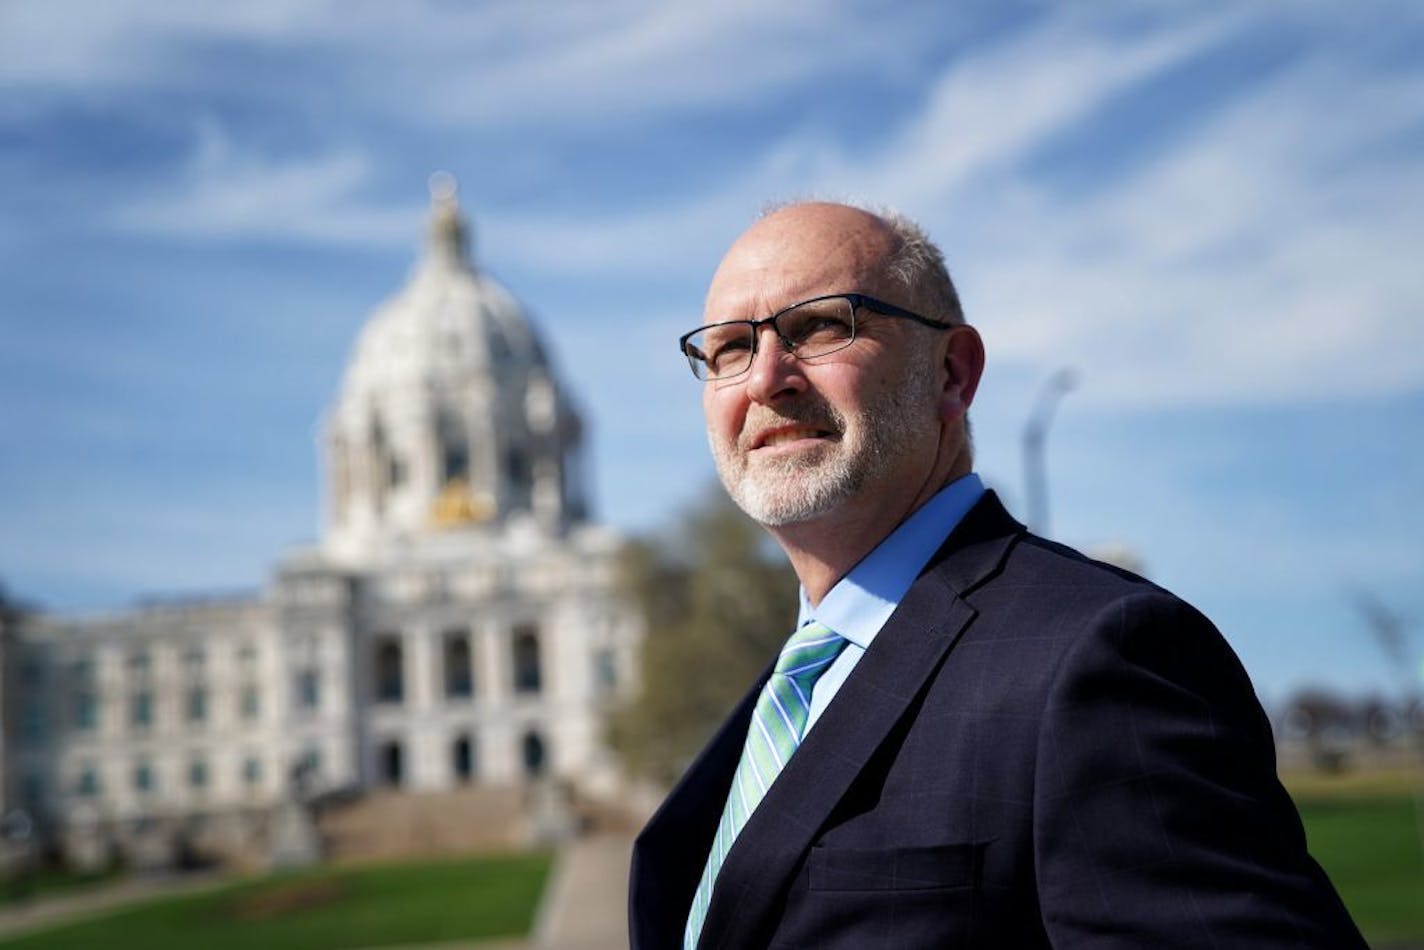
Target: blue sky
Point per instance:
(1211, 211)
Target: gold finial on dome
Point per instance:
(449, 240)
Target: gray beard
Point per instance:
(784, 491)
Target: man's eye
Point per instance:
(723, 351)
(819, 327)
(825, 324)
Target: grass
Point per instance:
(1366, 833)
(326, 909)
(18, 888)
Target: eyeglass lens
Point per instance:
(815, 328)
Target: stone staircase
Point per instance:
(395, 825)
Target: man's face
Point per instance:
(796, 439)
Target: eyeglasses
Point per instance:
(816, 327)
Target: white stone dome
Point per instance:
(450, 416)
(449, 324)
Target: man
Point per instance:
(978, 738)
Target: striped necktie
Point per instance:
(777, 728)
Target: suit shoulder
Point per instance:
(1054, 601)
(1059, 577)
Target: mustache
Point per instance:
(815, 413)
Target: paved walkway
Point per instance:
(48, 910)
(584, 907)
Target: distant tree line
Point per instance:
(719, 599)
(1332, 725)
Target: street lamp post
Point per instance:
(1034, 435)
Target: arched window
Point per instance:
(533, 754)
(390, 675)
(528, 674)
(391, 763)
(378, 464)
(454, 453)
(459, 673)
(464, 759)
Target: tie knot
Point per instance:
(809, 651)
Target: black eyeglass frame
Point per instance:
(857, 302)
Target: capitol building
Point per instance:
(457, 624)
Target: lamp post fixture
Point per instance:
(1034, 435)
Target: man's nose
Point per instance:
(774, 372)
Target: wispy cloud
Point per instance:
(446, 64)
(226, 193)
(1263, 259)
(1259, 257)
(77, 45)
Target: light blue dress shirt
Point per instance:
(860, 603)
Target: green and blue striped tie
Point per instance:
(777, 728)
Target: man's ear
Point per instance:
(963, 365)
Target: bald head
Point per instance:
(799, 252)
(881, 250)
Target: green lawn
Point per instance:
(17, 889)
(327, 909)
(1370, 846)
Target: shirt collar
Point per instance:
(860, 603)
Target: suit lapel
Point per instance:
(909, 649)
(671, 850)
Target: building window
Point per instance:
(88, 784)
(32, 792)
(197, 706)
(198, 774)
(390, 675)
(143, 778)
(86, 711)
(533, 754)
(391, 763)
(605, 671)
(463, 756)
(31, 671)
(309, 765)
(141, 710)
(456, 462)
(194, 659)
(140, 664)
(516, 468)
(251, 702)
(252, 772)
(459, 673)
(308, 690)
(528, 676)
(33, 723)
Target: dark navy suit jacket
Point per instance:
(1038, 750)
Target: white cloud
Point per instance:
(569, 62)
(225, 193)
(1000, 102)
(1264, 258)
(638, 59)
(82, 45)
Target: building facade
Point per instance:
(458, 621)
